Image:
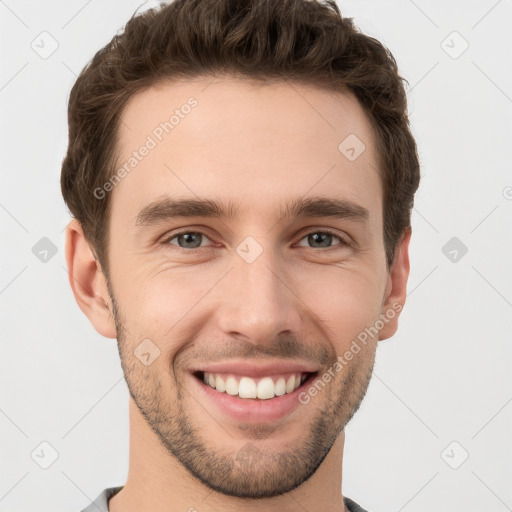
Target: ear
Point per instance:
(396, 287)
(88, 281)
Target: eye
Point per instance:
(193, 240)
(324, 239)
(187, 239)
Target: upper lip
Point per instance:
(255, 370)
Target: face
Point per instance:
(246, 250)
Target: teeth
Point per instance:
(265, 389)
(280, 387)
(220, 384)
(231, 386)
(246, 387)
(290, 384)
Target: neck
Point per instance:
(158, 482)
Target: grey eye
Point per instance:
(188, 240)
(321, 239)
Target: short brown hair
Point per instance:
(304, 41)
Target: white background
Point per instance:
(444, 377)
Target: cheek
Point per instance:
(162, 306)
(168, 304)
(346, 301)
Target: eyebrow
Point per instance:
(169, 208)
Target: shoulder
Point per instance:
(352, 505)
(100, 504)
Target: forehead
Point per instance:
(247, 143)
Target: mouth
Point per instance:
(249, 388)
(252, 400)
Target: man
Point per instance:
(241, 177)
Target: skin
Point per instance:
(257, 146)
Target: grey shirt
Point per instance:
(100, 504)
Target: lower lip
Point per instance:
(253, 410)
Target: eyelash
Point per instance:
(343, 243)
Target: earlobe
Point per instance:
(88, 281)
(396, 287)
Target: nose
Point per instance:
(259, 300)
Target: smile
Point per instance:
(264, 388)
(238, 396)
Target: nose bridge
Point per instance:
(259, 304)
